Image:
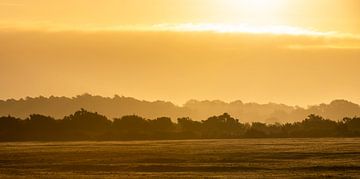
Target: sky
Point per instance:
(297, 52)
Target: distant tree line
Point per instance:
(85, 125)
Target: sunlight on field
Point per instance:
(250, 158)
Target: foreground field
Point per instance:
(248, 158)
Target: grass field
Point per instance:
(246, 158)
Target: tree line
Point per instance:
(85, 125)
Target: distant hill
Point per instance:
(197, 110)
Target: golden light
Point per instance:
(260, 12)
(255, 6)
(260, 6)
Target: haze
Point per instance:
(292, 52)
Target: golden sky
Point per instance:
(290, 51)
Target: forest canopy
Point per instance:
(116, 106)
(86, 125)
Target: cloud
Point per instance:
(181, 27)
(243, 28)
(288, 37)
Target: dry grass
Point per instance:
(247, 158)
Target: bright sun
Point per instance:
(254, 6)
(256, 11)
(259, 6)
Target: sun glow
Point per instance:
(259, 12)
(242, 28)
(259, 6)
(255, 7)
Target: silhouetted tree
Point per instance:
(257, 130)
(161, 128)
(39, 127)
(10, 128)
(162, 124)
(314, 126)
(85, 125)
(189, 128)
(131, 127)
(351, 126)
(221, 126)
(9, 123)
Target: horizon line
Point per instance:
(168, 101)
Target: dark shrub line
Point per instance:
(85, 125)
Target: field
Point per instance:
(246, 158)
